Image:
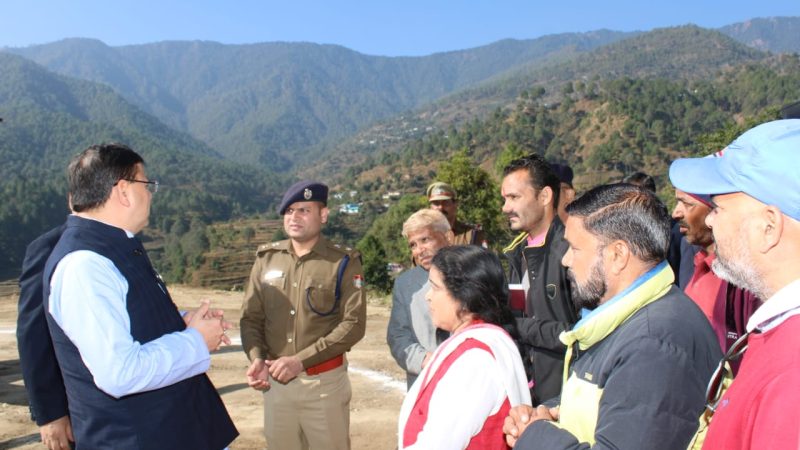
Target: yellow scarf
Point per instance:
(602, 321)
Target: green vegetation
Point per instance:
(607, 128)
(776, 34)
(606, 103)
(375, 261)
(48, 119)
(279, 104)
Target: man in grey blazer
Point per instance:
(411, 336)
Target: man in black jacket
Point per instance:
(530, 191)
(43, 381)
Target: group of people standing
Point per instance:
(109, 362)
(623, 322)
(589, 336)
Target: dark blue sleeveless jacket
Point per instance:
(186, 415)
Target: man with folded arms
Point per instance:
(530, 192)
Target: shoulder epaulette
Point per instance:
(342, 248)
(271, 246)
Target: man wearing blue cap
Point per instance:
(755, 190)
(304, 307)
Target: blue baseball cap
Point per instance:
(763, 163)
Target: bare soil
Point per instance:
(374, 406)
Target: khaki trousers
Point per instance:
(309, 412)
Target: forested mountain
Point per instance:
(605, 102)
(775, 34)
(282, 104)
(603, 128)
(680, 53)
(270, 103)
(48, 118)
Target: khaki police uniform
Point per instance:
(290, 308)
(464, 234)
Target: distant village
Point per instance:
(352, 208)
(355, 208)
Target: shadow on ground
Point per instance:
(12, 390)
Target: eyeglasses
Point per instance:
(151, 186)
(723, 376)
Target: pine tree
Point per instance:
(375, 264)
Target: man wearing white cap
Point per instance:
(755, 191)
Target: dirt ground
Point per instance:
(378, 384)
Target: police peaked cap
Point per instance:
(441, 191)
(304, 191)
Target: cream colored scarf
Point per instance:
(603, 320)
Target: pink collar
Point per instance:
(538, 240)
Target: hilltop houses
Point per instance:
(350, 208)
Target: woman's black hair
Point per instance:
(475, 278)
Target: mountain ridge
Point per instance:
(269, 102)
(49, 118)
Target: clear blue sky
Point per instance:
(376, 27)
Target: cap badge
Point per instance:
(307, 194)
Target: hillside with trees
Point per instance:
(272, 103)
(603, 129)
(774, 34)
(47, 119)
(682, 53)
(607, 103)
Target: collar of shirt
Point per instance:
(130, 235)
(784, 304)
(702, 265)
(535, 241)
(703, 257)
(320, 247)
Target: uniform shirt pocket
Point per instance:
(275, 290)
(319, 297)
(275, 279)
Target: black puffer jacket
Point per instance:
(549, 307)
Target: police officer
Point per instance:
(304, 307)
(442, 198)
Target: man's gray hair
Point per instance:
(426, 218)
